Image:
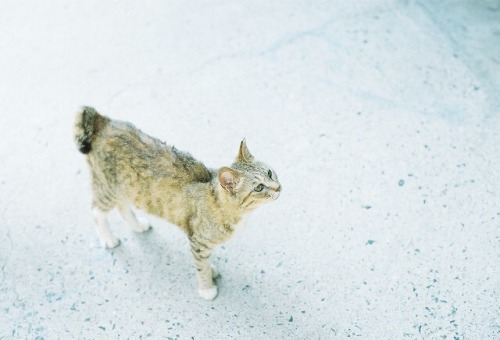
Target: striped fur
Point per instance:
(131, 169)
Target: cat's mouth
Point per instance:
(276, 193)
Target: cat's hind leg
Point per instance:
(137, 224)
(108, 240)
(103, 202)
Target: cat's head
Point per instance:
(249, 182)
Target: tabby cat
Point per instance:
(130, 168)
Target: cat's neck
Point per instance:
(227, 208)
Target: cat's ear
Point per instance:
(244, 155)
(228, 178)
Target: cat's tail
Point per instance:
(87, 123)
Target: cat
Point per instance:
(130, 168)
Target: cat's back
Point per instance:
(130, 149)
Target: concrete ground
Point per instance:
(381, 118)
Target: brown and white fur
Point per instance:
(130, 168)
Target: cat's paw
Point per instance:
(215, 272)
(110, 242)
(208, 293)
(142, 225)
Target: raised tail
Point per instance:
(87, 123)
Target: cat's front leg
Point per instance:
(205, 273)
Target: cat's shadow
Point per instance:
(160, 260)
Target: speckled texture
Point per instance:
(380, 117)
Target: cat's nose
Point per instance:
(278, 189)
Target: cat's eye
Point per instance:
(259, 187)
(270, 174)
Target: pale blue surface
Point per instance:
(381, 119)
